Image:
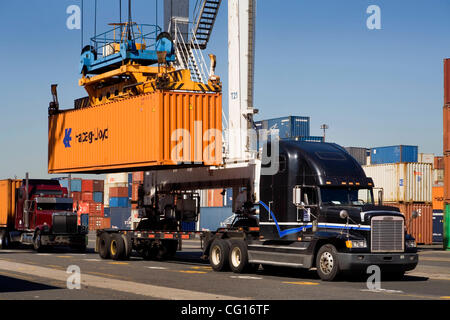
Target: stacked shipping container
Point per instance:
(117, 200)
(407, 186)
(87, 198)
(446, 123)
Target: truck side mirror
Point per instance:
(343, 214)
(415, 214)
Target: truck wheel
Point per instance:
(37, 244)
(117, 247)
(4, 239)
(239, 257)
(327, 263)
(104, 243)
(218, 254)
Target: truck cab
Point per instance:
(318, 211)
(44, 216)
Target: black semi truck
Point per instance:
(317, 211)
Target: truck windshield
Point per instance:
(54, 206)
(346, 196)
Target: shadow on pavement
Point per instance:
(9, 284)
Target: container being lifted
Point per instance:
(136, 115)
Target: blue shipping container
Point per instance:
(119, 202)
(74, 183)
(84, 220)
(98, 197)
(188, 226)
(394, 154)
(106, 213)
(120, 218)
(288, 127)
(438, 226)
(211, 218)
(228, 198)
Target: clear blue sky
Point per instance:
(313, 58)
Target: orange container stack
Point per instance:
(90, 201)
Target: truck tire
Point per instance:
(103, 245)
(238, 257)
(218, 254)
(37, 244)
(4, 239)
(327, 262)
(117, 247)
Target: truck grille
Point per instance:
(387, 234)
(64, 223)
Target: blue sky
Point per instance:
(313, 58)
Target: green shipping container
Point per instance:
(447, 227)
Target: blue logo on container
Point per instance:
(67, 138)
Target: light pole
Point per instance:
(324, 127)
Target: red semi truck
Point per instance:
(38, 213)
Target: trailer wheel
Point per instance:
(37, 243)
(103, 246)
(327, 263)
(218, 254)
(239, 257)
(4, 239)
(117, 247)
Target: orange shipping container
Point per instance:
(446, 117)
(106, 223)
(215, 198)
(135, 192)
(438, 163)
(151, 130)
(8, 202)
(447, 178)
(118, 192)
(87, 196)
(446, 81)
(438, 198)
(138, 177)
(422, 227)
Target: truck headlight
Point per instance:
(356, 244)
(410, 243)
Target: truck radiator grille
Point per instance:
(64, 223)
(387, 234)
